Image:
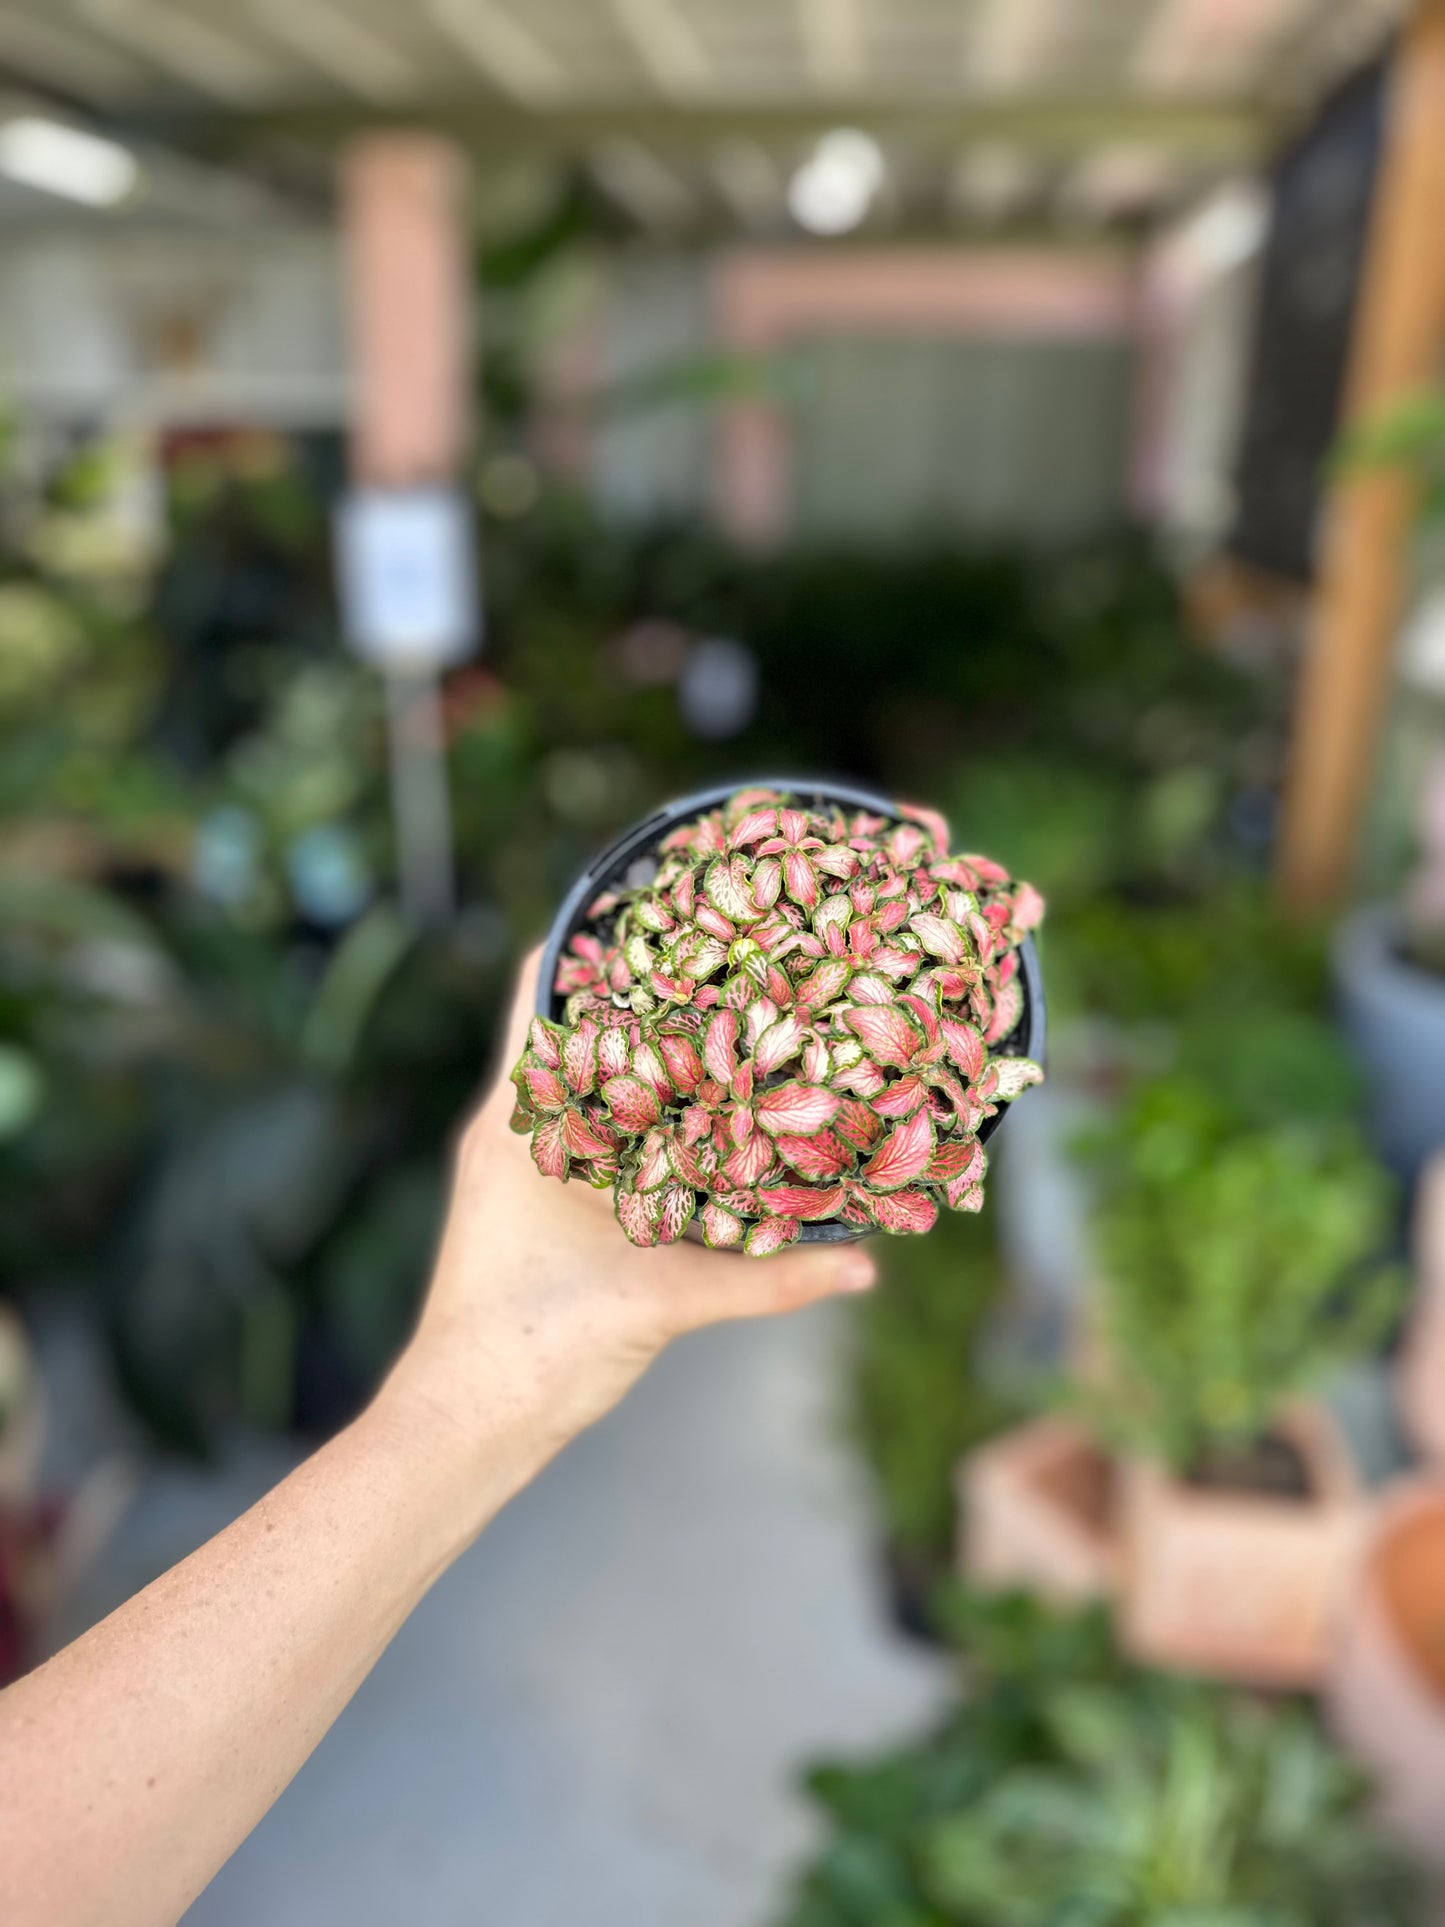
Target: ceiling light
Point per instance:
(834, 188)
(62, 160)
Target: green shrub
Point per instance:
(1236, 1268)
(917, 1400)
(1067, 1790)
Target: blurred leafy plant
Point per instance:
(1067, 1790)
(1238, 1266)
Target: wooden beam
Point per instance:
(1223, 133)
(1398, 341)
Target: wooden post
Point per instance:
(1398, 341)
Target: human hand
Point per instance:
(541, 1314)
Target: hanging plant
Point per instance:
(805, 1016)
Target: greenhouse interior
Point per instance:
(905, 543)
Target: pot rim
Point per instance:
(650, 829)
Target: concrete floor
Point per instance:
(597, 1717)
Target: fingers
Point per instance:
(717, 1285)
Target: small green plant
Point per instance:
(1238, 1266)
(1068, 1790)
(917, 1399)
(796, 1020)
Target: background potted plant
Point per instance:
(784, 1011)
(1066, 1786)
(1386, 1686)
(1235, 1273)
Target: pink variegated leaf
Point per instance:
(753, 827)
(857, 1124)
(586, 1138)
(906, 844)
(939, 937)
(648, 1065)
(653, 914)
(863, 1079)
(895, 962)
(891, 1036)
(817, 1060)
(741, 1201)
(684, 1066)
(684, 895)
(720, 1046)
(688, 1166)
(742, 1084)
(549, 1153)
(633, 1104)
(640, 1214)
(892, 912)
(778, 1043)
(961, 1157)
(741, 1123)
(721, 1230)
(903, 1213)
(800, 879)
(544, 1040)
(855, 1211)
(861, 894)
(707, 997)
(761, 1012)
(579, 1059)
(806, 1202)
(679, 1202)
(903, 1155)
(767, 882)
(792, 825)
(1013, 1075)
(1007, 1010)
(655, 1165)
(799, 1109)
(696, 1123)
(612, 1054)
(964, 1045)
(838, 861)
(962, 1195)
(727, 886)
(545, 1088)
(867, 987)
(750, 1163)
(820, 1156)
(863, 940)
(769, 1235)
(711, 921)
(935, 825)
(901, 1099)
(925, 1013)
(825, 983)
(522, 1119)
(671, 990)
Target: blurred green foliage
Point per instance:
(232, 1073)
(1068, 1790)
(1239, 1263)
(918, 1397)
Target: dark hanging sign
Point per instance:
(1322, 188)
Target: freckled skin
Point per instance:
(136, 1761)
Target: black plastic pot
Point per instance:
(633, 860)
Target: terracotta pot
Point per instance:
(1036, 1508)
(1241, 1585)
(1386, 1688)
(1420, 1374)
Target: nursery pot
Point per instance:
(1037, 1511)
(1239, 1584)
(1386, 1687)
(1395, 1015)
(633, 859)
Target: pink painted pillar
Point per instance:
(408, 299)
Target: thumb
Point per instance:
(724, 1286)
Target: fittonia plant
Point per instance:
(795, 1021)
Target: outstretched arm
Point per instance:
(134, 1762)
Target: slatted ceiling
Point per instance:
(681, 79)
